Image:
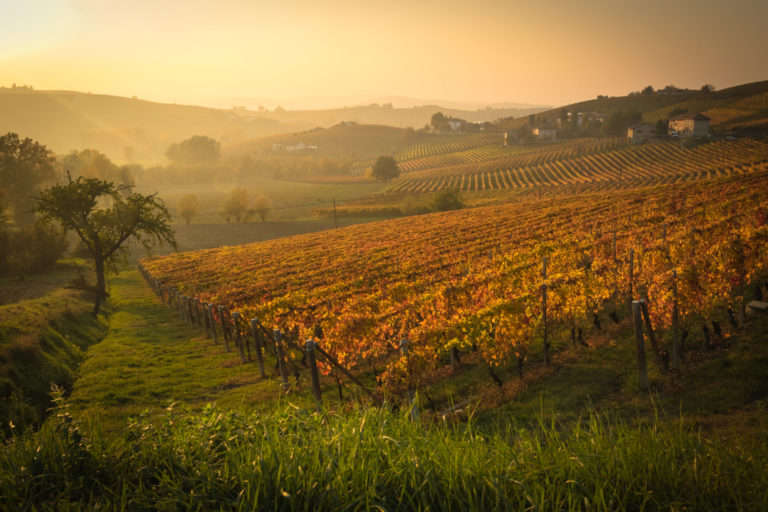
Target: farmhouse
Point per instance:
(640, 133)
(455, 124)
(689, 125)
(545, 133)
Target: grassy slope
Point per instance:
(45, 328)
(546, 449)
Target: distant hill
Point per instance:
(385, 114)
(134, 130)
(126, 129)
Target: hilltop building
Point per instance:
(640, 133)
(455, 124)
(545, 133)
(689, 125)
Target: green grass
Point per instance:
(163, 419)
(372, 459)
(43, 337)
(150, 359)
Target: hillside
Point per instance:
(740, 108)
(470, 279)
(135, 130)
(477, 413)
(415, 117)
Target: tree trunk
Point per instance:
(101, 286)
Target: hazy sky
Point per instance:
(535, 51)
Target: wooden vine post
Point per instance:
(213, 324)
(206, 323)
(631, 278)
(257, 345)
(545, 345)
(238, 339)
(277, 336)
(651, 334)
(638, 325)
(411, 395)
(313, 373)
(224, 332)
(675, 325)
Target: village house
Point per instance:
(455, 124)
(640, 133)
(545, 133)
(689, 125)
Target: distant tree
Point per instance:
(236, 205)
(80, 205)
(437, 119)
(448, 199)
(38, 246)
(197, 149)
(385, 169)
(648, 89)
(91, 163)
(620, 120)
(707, 88)
(24, 166)
(188, 207)
(263, 207)
(661, 127)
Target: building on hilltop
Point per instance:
(689, 125)
(545, 133)
(640, 133)
(455, 124)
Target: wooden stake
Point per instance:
(651, 334)
(224, 332)
(675, 326)
(213, 324)
(638, 325)
(631, 278)
(411, 395)
(257, 344)
(329, 358)
(314, 375)
(238, 339)
(277, 336)
(544, 310)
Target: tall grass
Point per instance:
(374, 459)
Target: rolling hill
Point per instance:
(126, 129)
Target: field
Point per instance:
(163, 417)
(477, 286)
(593, 163)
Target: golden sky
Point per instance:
(223, 52)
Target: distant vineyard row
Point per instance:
(473, 278)
(653, 163)
(437, 145)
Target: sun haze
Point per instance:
(490, 51)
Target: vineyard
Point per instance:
(604, 161)
(500, 281)
(439, 144)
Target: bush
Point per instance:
(34, 248)
(448, 199)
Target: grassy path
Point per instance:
(150, 359)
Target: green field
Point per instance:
(162, 418)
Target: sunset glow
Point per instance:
(339, 51)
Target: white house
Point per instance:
(689, 125)
(640, 133)
(455, 124)
(545, 133)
